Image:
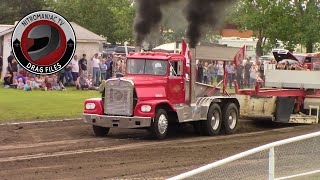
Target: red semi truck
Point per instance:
(156, 93)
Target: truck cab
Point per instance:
(154, 93)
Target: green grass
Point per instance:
(19, 105)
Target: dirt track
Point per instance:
(69, 150)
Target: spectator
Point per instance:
(247, 68)
(82, 83)
(47, 84)
(212, 71)
(239, 75)
(90, 80)
(220, 71)
(75, 68)
(20, 83)
(231, 71)
(34, 84)
(200, 72)
(119, 68)
(27, 86)
(83, 65)
(68, 74)
(8, 80)
(14, 68)
(205, 73)
(61, 76)
(103, 69)
(9, 68)
(20, 75)
(1, 65)
(96, 67)
(253, 75)
(55, 84)
(109, 64)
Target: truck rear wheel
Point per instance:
(212, 125)
(100, 131)
(159, 127)
(230, 117)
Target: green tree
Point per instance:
(289, 21)
(110, 18)
(14, 10)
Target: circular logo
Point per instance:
(43, 42)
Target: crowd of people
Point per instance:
(74, 74)
(246, 74)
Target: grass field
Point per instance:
(18, 105)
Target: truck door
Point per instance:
(176, 90)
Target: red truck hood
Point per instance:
(149, 87)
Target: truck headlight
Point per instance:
(90, 106)
(145, 108)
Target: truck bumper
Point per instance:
(117, 121)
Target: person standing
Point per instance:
(247, 68)
(68, 74)
(253, 74)
(96, 67)
(200, 72)
(212, 72)
(14, 68)
(239, 75)
(83, 66)
(109, 64)
(75, 68)
(220, 71)
(10, 59)
(205, 73)
(231, 71)
(103, 69)
(1, 65)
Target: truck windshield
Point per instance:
(146, 66)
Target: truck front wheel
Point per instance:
(100, 131)
(159, 127)
(212, 125)
(230, 117)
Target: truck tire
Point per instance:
(230, 117)
(100, 131)
(159, 126)
(212, 125)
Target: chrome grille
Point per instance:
(119, 97)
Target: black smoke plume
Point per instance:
(148, 16)
(202, 13)
(199, 14)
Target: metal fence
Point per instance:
(286, 159)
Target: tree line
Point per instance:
(291, 22)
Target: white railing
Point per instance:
(270, 147)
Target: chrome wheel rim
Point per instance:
(215, 120)
(162, 124)
(232, 120)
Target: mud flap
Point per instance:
(284, 109)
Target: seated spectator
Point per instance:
(82, 83)
(7, 80)
(34, 85)
(27, 86)
(56, 85)
(90, 80)
(20, 84)
(47, 84)
(20, 75)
